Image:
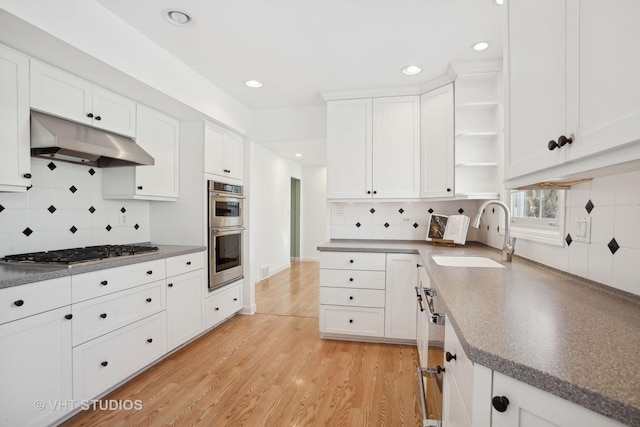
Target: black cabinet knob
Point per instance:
(235, 299)
(150, 340)
(105, 363)
(19, 303)
(69, 316)
(103, 315)
(351, 298)
(227, 170)
(351, 279)
(500, 403)
(90, 115)
(217, 308)
(98, 118)
(149, 300)
(440, 369)
(375, 192)
(563, 140)
(448, 190)
(350, 320)
(552, 145)
(450, 357)
(150, 272)
(188, 262)
(27, 175)
(368, 192)
(104, 283)
(139, 187)
(350, 261)
(170, 285)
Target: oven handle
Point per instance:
(226, 230)
(223, 196)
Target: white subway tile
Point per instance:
(603, 191)
(579, 259)
(626, 270)
(628, 189)
(600, 264)
(578, 195)
(627, 227)
(14, 220)
(602, 224)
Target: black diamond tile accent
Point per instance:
(73, 189)
(108, 227)
(358, 224)
(493, 210)
(487, 227)
(613, 246)
(430, 210)
(92, 172)
(1, 208)
(92, 209)
(386, 225)
(51, 166)
(73, 229)
(415, 225)
(123, 210)
(136, 226)
(568, 239)
(460, 211)
(372, 210)
(52, 209)
(27, 231)
(401, 210)
(589, 206)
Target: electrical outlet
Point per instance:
(122, 219)
(338, 210)
(583, 229)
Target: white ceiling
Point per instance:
(300, 48)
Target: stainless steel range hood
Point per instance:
(59, 139)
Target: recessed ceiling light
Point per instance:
(178, 17)
(410, 70)
(480, 46)
(298, 155)
(253, 83)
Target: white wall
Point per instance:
(270, 216)
(314, 223)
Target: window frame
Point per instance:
(535, 230)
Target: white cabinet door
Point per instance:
(15, 161)
(36, 369)
(113, 112)
(437, 142)
(396, 147)
(400, 308)
(608, 84)
(422, 327)
(184, 307)
(233, 156)
(531, 407)
(222, 153)
(454, 413)
(537, 99)
(349, 157)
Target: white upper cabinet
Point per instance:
(15, 161)
(159, 135)
(437, 142)
(573, 94)
(373, 148)
(64, 95)
(222, 152)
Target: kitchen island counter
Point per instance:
(13, 274)
(562, 334)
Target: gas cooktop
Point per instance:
(76, 256)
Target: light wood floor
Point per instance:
(272, 369)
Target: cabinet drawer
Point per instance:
(223, 304)
(105, 361)
(185, 263)
(353, 260)
(103, 282)
(352, 320)
(21, 301)
(99, 316)
(352, 297)
(461, 368)
(352, 279)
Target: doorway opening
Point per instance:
(295, 220)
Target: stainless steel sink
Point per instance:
(466, 261)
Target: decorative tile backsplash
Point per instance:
(64, 209)
(392, 220)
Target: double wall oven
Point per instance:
(225, 233)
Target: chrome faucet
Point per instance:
(509, 243)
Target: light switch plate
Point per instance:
(583, 229)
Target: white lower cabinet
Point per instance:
(105, 361)
(400, 307)
(35, 367)
(222, 304)
(454, 413)
(363, 321)
(184, 307)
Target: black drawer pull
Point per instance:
(188, 262)
(351, 298)
(69, 316)
(170, 285)
(105, 363)
(98, 118)
(150, 340)
(500, 403)
(351, 279)
(104, 283)
(217, 308)
(27, 175)
(90, 115)
(350, 320)
(350, 261)
(450, 357)
(103, 315)
(235, 299)
(139, 187)
(18, 303)
(150, 272)
(149, 299)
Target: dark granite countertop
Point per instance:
(15, 274)
(557, 332)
